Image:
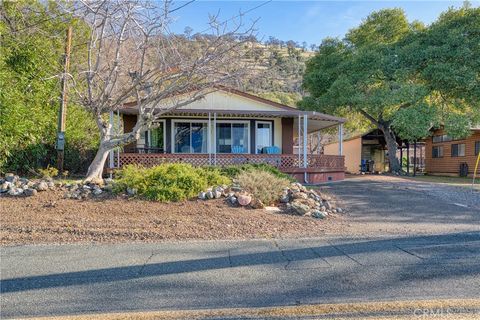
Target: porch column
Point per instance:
(299, 141)
(340, 139)
(209, 138)
(215, 138)
(305, 136)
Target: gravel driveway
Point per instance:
(381, 205)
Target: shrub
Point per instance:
(48, 172)
(234, 171)
(264, 185)
(168, 182)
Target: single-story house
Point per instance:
(446, 156)
(228, 127)
(367, 152)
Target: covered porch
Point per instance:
(233, 137)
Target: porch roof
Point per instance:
(316, 120)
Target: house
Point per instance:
(228, 127)
(367, 152)
(445, 156)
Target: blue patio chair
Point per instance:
(274, 161)
(238, 159)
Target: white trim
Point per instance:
(235, 121)
(256, 133)
(340, 139)
(172, 147)
(149, 136)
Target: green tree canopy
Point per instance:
(397, 75)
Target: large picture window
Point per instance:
(232, 137)
(190, 137)
(263, 135)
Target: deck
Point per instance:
(319, 168)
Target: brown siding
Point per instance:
(287, 135)
(447, 164)
(129, 121)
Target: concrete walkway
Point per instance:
(76, 279)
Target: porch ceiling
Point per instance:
(316, 121)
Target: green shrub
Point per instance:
(264, 185)
(168, 182)
(234, 171)
(48, 172)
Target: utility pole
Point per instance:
(62, 114)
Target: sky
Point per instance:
(309, 21)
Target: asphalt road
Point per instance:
(76, 279)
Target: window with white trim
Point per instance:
(233, 137)
(189, 136)
(263, 135)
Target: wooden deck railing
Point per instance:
(285, 162)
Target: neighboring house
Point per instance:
(229, 127)
(444, 156)
(368, 152)
(369, 147)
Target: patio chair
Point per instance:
(238, 159)
(273, 160)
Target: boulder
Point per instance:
(30, 192)
(244, 200)
(202, 196)
(257, 204)
(300, 195)
(209, 194)
(299, 208)
(97, 191)
(285, 198)
(319, 214)
(15, 191)
(10, 177)
(131, 191)
(217, 194)
(5, 186)
(41, 186)
(232, 200)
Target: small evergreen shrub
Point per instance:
(168, 182)
(265, 186)
(48, 172)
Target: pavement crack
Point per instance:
(344, 253)
(145, 263)
(230, 258)
(283, 254)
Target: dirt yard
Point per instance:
(48, 218)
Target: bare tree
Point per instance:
(133, 58)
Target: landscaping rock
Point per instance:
(327, 205)
(319, 214)
(209, 194)
(97, 191)
(285, 198)
(15, 191)
(257, 204)
(30, 192)
(299, 208)
(131, 191)
(217, 194)
(202, 196)
(10, 177)
(244, 200)
(339, 210)
(232, 200)
(41, 186)
(5, 186)
(51, 184)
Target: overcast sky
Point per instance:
(309, 21)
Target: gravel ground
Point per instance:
(385, 205)
(48, 218)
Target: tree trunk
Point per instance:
(391, 141)
(95, 169)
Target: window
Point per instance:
(156, 138)
(232, 137)
(477, 147)
(437, 152)
(458, 150)
(190, 137)
(263, 135)
(441, 138)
